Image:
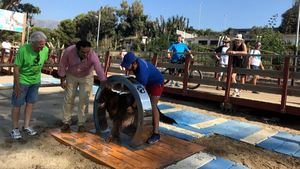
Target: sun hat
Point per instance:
(238, 37)
(226, 39)
(128, 59)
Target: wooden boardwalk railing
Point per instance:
(281, 89)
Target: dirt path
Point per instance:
(42, 151)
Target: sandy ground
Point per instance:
(44, 152)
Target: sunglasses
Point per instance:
(37, 59)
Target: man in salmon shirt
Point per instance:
(76, 71)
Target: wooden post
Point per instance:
(155, 59)
(228, 80)
(2, 58)
(10, 59)
(106, 63)
(24, 28)
(2, 55)
(286, 75)
(186, 73)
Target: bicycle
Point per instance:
(197, 74)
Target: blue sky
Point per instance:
(217, 15)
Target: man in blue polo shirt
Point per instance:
(149, 76)
(178, 50)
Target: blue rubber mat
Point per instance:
(270, 144)
(288, 137)
(289, 148)
(188, 117)
(282, 142)
(233, 129)
(164, 106)
(219, 163)
(297, 154)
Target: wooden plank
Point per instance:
(188, 146)
(124, 154)
(295, 75)
(170, 65)
(104, 158)
(157, 153)
(93, 153)
(261, 88)
(204, 68)
(266, 73)
(207, 81)
(115, 60)
(166, 152)
(116, 70)
(293, 92)
(172, 77)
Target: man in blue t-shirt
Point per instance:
(149, 76)
(178, 49)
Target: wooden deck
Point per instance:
(262, 96)
(167, 151)
(263, 100)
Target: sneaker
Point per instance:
(154, 138)
(233, 94)
(65, 128)
(238, 94)
(15, 134)
(30, 131)
(218, 88)
(177, 84)
(171, 83)
(105, 131)
(81, 129)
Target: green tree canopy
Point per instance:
(289, 20)
(272, 40)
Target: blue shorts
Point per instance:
(255, 67)
(29, 94)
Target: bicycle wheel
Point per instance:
(195, 74)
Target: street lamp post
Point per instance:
(200, 8)
(297, 42)
(98, 30)
(297, 34)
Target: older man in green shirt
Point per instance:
(28, 62)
